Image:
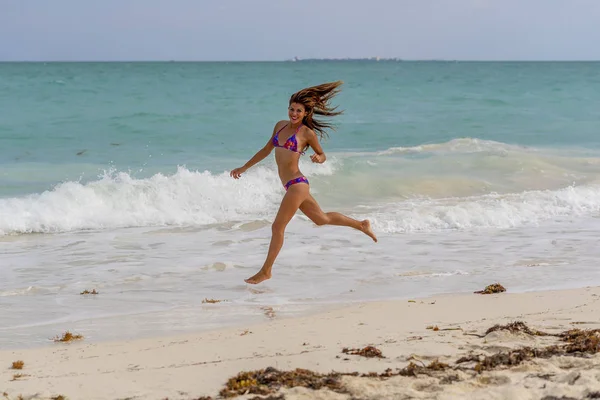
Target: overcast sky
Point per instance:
(204, 30)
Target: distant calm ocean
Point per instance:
(114, 176)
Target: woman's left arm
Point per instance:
(313, 141)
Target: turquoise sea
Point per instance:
(114, 176)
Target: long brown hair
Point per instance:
(315, 100)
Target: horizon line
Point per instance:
(373, 59)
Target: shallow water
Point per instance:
(115, 177)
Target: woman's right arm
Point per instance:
(258, 157)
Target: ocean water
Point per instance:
(114, 177)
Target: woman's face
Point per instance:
(296, 112)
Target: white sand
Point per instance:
(193, 365)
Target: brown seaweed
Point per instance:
(67, 337)
(558, 398)
(578, 342)
(516, 327)
(17, 364)
(270, 380)
(267, 382)
(490, 289)
(413, 369)
(210, 301)
(369, 352)
(581, 341)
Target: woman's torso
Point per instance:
(289, 144)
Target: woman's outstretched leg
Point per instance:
(295, 195)
(311, 209)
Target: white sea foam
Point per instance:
(489, 211)
(460, 145)
(117, 200)
(400, 195)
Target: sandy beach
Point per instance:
(420, 331)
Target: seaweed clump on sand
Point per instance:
(88, 292)
(558, 398)
(210, 301)
(490, 289)
(512, 358)
(67, 337)
(268, 381)
(578, 343)
(17, 364)
(195, 398)
(369, 352)
(592, 395)
(516, 327)
(581, 341)
(413, 369)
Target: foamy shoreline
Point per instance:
(192, 365)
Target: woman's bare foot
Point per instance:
(259, 277)
(366, 228)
